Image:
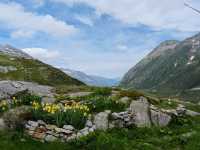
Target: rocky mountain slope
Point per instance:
(91, 79)
(172, 68)
(17, 65)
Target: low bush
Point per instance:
(102, 91)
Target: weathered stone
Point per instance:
(61, 130)
(192, 113)
(51, 127)
(79, 94)
(2, 124)
(89, 123)
(39, 135)
(16, 117)
(68, 127)
(116, 116)
(51, 138)
(6, 69)
(9, 88)
(159, 118)
(33, 123)
(124, 100)
(84, 131)
(48, 99)
(41, 122)
(141, 110)
(72, 137)
(101, 120)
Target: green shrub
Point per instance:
(101, 103)
(131, 94)
(102, 91)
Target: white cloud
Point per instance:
(85, 20)
(153, 13)
(43, 54)
(14, 16)
(22, 34)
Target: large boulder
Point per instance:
(101, 120)
(2, 124)
(9, 88)
(141, 111)
(16, 117)
(159, 118)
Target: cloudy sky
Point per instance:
(101, 37)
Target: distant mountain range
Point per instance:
(92, 79)
(17, 65)
(172, 68)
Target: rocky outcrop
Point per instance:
(15, 118)
(9, 88)
(101, 120)
(6, 69)
(141, 110)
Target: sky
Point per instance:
(99, 37)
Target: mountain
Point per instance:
(17, 65)
(91, 79)
(11, 51)
(172, 68)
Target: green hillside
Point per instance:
(34, 71)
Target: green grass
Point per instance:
(168, 138)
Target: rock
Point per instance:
(79, 94)
(6, 69)
(72, 137)
(16, 117)
(159, 118)
(61, 130)
(9, 88)
(48, 99)
(33, 123)
(192, 113)
(89, 123)
(41, 123)
(84, 131)
(101, 120)
(68, 127)
(2, 125)
(51, 127)
(116, 116)
(50, 138)
(141, 111)
(39, 135)
(124, 100)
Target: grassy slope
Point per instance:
(36, 71)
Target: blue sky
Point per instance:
(100, 37)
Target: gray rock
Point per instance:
(159, 118)
(48, 99)
(72, 137)
(101, 120)
(141, 111)
(79, 94)
(50, 138)
(16, 117)
(6, 69)
(192, 113)
(9, 88)
(89, 123)
(33, 123)
(68, 127)
(2, 125)
(124, 100)
(61, 130)
(84, 131)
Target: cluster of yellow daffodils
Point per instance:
(77, 107)
(51, 108)
(35, 105)
(4, 105)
